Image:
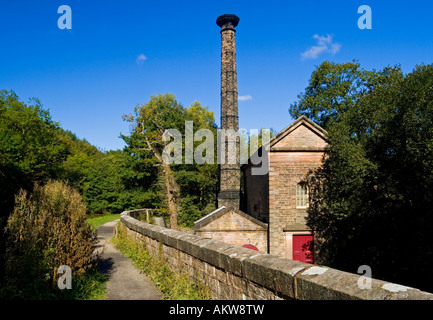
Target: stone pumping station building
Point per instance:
(271, 216)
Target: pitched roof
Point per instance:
(222, 211)
(302, 120)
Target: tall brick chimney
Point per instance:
(229, 194)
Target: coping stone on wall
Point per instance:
(141, 227)
(274, 272)
(210, 252)
(162, 234)
(233, 257)
(286, 278)
(190, 244)
(172, 237)
(330, 284)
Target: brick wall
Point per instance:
(233, 272)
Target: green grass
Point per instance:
(91, 286)
(98, 220)
(173, 286)
(94, 283)
(88, 286)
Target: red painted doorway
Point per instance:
(303, 249)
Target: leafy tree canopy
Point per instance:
(30, 149)
(376, 183)
(334, 88)
(189, 189)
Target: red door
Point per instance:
(303, 248)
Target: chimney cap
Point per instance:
(227, 18)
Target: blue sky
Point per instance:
(119, 53)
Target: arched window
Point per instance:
(301, 195)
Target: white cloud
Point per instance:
(141, 58)
(245, 98)
(324, 44)
(335, 48)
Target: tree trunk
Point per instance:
(172, 190)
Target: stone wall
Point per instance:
(234, 227)
(301, 138)
(293, 152)
(237, 273)
(286, 170)
(257, 194)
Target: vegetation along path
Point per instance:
(125, 282)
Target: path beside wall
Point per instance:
(237, 273)
(125, 281)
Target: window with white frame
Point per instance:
(301, 195)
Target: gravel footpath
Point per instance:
(125, 282)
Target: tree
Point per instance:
(30, 149)
(189, 188)
(335, 88)
(117, 182)
(198, 183)
(376, 183)
(150, 121)
(80, 157)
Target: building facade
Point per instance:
(276, 202)
(280, 197)
(235, 227)
(276, 199)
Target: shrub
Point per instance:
(46, 229)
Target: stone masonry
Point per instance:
(233, 272)
(292, 155)
(233, 226)
(272, 198)
(257, 194)
(229, 194)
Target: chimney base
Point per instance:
(229, 199)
